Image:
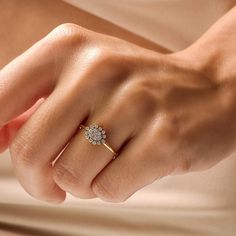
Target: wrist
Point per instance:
(204, 57)
(214, 53)
(214, 58)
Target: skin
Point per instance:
(39, 14)
(164, 114)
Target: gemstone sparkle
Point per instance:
(95, 134)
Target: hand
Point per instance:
(161, 113)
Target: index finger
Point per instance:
(26, 79)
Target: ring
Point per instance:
(96, 135)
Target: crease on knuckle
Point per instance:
(65, 178)
(106, 192)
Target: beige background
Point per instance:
(194, 204)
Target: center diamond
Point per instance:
(95, 134)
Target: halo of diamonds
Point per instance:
(95, 134)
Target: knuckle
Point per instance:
(106, 192)
(139, 89)
(100, 63)
(67, 34)
(145, 101)
(143, 90)
(105, 57)
(67, 27)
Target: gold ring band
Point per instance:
(97, 136)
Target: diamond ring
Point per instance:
(96, 135)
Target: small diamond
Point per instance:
(103, 131)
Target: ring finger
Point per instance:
(81, 161)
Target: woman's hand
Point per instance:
(161, 114)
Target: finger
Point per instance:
(26, 79)
(8, 132)
(42, 138)
(81, 161)
(141, 163)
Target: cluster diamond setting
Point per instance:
(95, 134)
